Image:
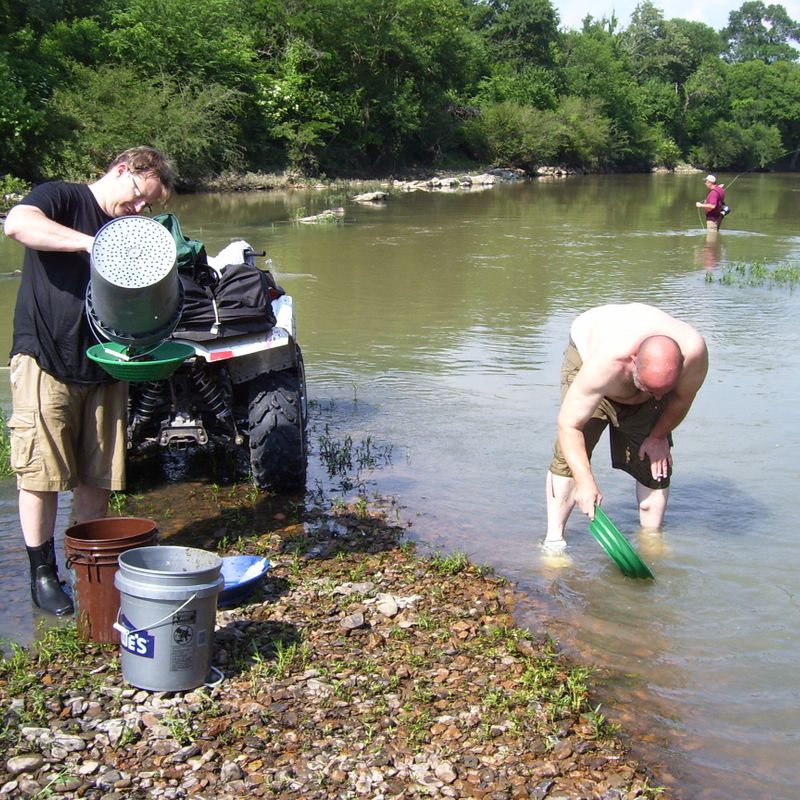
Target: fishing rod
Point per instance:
(758, 166)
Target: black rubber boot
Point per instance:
(47, 591)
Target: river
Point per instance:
(433, 327)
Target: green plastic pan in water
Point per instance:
(617, 546)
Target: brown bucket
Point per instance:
(92, 550)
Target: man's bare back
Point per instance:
(607, 336)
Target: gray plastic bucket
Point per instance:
(168, 606)
(134, 294)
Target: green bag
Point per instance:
(191, 252)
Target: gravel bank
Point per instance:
(358, 670)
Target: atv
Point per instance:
(244, 386)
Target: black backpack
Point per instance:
(234, 300)
(239, 300)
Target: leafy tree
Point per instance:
(349, 86)
(663, 107)
(768, 94)
(27, 77)
(706, 98)
(757, 32)
(387, 70)
(762, 145)
(644, 41)
(595, 68)
(522, 32)
(669, 50)
(697, 42)
(298, 112)
(528, 85)
(19, 120)
(78, 41)
(515, 135)
(722, 145)
(211, 43)
(107, 109)
(588, 132)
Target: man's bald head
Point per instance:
(659, 362)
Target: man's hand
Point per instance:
(657, 450)
(586, 496)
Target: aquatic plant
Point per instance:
(341, 457)
(757, 273)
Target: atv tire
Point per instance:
(278, 458)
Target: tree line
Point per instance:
(364, 87)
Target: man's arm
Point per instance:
(31, 227)
(679, 401)
(580, 402)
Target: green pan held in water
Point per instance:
(617, 546)
(155, 365)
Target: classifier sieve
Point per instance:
(134, 295)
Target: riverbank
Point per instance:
(407, 179)
(358, 669)
(287, 181)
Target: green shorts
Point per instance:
(65, 434)
(630, 426)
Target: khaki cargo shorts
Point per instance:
(65, 434)
(630, 426)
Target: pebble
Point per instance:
(28, 762)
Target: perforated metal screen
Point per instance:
(133, 252)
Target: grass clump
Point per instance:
(757, 273)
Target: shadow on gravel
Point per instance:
(242, 649)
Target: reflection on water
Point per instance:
(434, 326)
(711, 253)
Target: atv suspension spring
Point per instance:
(147, 402)
(211, 393)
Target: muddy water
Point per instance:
(433, 329)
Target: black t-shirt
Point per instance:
(49, 319)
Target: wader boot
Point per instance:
(47, 591)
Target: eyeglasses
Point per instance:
(138, 196)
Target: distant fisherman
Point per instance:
(715, 200)
(638, 369)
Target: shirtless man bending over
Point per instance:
(638, 369)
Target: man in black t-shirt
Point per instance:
(68, 419)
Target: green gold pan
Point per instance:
(155, 366)
(617, 546)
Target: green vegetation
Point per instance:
(21, 672)
(5, 447)
(11, 190)
(450, 564)
(348, 462)
(359, 87)
(757, 273)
